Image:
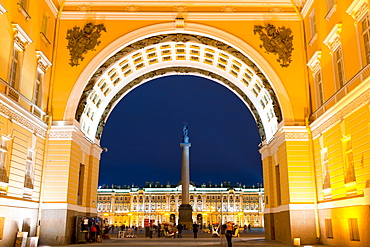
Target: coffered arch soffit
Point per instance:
(159, 50)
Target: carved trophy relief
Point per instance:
(82, 40)
(278, 41)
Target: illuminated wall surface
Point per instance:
(300, 66)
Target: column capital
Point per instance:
(185, 144)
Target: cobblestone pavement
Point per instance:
(255, 238)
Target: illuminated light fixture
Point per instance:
(296, 241)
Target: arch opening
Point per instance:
(175, 53)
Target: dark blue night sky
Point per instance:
(144, 131)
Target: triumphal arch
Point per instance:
(300, 66)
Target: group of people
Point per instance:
(96, 233)
(167, 230)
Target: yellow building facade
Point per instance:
(211, 204)
(301, 67)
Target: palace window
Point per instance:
(23, 8)
(333, 42)
(30, 163)
(353, 229)
(366, 37)
(319, 88)
(339, 67)
(4, 170)
(37, 91)
(45, 28)
(313, 30)
(348, 161)
(21, 40)
(331, 7)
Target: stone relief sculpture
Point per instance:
(80, 41)
(277, 40)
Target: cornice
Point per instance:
(42, 61)
(306, 8)
(358, 9)
(170, 16)
(332, 41)
(2, 9)
(52, 7)
(61, 132)
(183, 2)
(315, 62)
(22, 117)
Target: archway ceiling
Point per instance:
(177, 54)
(182, 6)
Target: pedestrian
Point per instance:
(245, 228)
(195, 230)
(159, 229)
(179, 230)
(163, 229)
(93, 233)
(229, 233)
(174, 229)
(249, 227)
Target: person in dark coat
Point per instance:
(229, 233)
(195, 230)
(179, 230)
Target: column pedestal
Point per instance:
(185, 215)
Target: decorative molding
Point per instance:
(22, 117)
(24, 12)
(21, 39)
(194, 16)
(313, 39)
(179, 22)
(131, 8)
(61, 132)
(228, 9)
(275, 9)
(358, 9)
(52, 7)
(2, 9)
(108, 53)
(314, 63)
(332, 41)
(331, 12)
(295, 133)
(181, 8)
(184, 38)
(286, 3)
(84, 7)
(306, 8)
(347, 105)
(42, 61)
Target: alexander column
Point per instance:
(185, 210)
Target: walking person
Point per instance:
(174, 229)
(195, 230)
(179, 230)
(229, 233)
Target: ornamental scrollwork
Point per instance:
(278, 41)
(82, 40)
